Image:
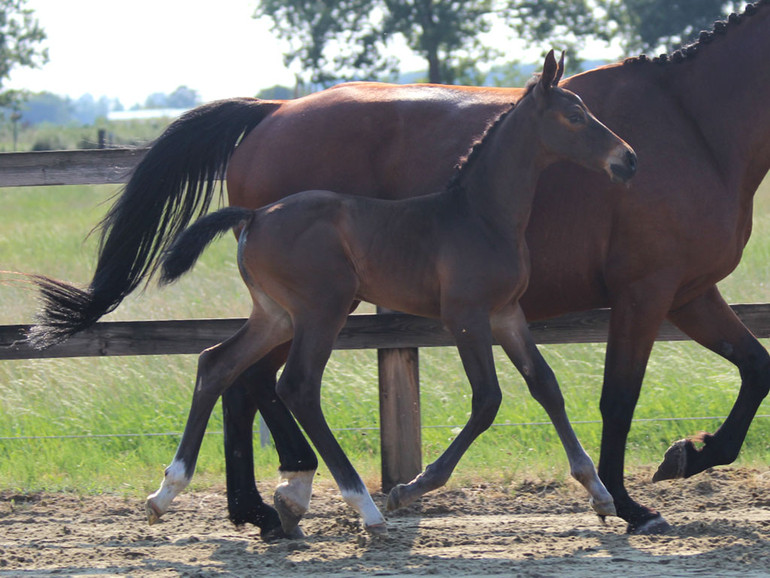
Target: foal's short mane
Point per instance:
(689, 51)
(464, 162)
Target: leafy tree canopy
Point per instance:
(663, 25)
(343, 39)
(20, 39)
(182, 97)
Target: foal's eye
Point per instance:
(577, 117)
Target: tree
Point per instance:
(182, 97)
(47, 107)
(566, 24)
(641, 25)
(345, 39)
(662, 25)
(20, 39)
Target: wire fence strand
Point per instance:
(370, 428)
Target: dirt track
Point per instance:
(721, 519)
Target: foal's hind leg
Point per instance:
(217, 369)
(300, 389)
(512, 332)
(474, 343)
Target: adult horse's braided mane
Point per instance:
(687, 52)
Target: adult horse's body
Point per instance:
(699, 123)
(459, 255)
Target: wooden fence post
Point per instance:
(400, 434)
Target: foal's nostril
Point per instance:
(631, 160)
(623, 170)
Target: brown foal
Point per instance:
(459, 255)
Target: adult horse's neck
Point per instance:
(499, 179)
(725, 87)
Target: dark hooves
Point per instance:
(674, 462)
(394, 498)
(277, 533)
(652, 526)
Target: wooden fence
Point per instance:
(397, 337)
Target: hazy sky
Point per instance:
(128, 49)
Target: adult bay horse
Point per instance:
(459, 255)
(698, 120)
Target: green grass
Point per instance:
(42, 230)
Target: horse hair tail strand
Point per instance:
(172, 185)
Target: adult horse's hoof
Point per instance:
(656, 525)
(397, 498)
(674, 462)
(277, 533)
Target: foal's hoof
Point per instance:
(656, 525)
(380, 530)
(604, 507)
(289, 512)
(674, 462)
(152, 511)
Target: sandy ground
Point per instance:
(721, 528)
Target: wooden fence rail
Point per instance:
(390, 331)
(397, 337)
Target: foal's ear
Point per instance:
(550, 72)
(559, 70)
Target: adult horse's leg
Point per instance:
(218, 367)
(253, 391)
(300, 389)
(473, 337)
(511, 331)
(634, 322)
(709, 320)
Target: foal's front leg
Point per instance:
(474, 343)
(300, 389)
(512, 333)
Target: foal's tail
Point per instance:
(191, 243)
(173, 184)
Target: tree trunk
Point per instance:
(434, 67)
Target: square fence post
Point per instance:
(400, 434)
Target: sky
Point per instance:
(129, 49)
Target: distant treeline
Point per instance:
(46, 107)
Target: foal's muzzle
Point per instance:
(624, 168)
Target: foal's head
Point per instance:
(568, 130)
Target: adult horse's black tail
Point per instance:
(173, 184)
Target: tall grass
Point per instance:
(42, 230)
